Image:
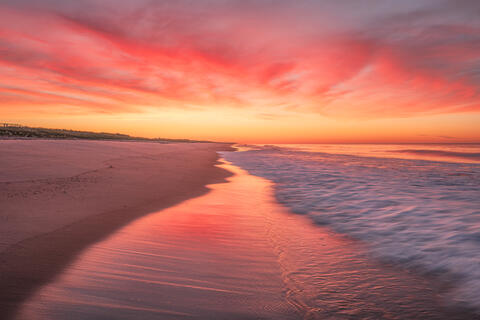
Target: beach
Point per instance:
(139, 230)
(239, 160)
(59, 196)
(233, 253)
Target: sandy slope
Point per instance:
(57, 197)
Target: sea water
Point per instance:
(417, 206)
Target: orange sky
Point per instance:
(246, 71)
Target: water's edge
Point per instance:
(423, 215)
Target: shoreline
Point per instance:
(74, 206)
(243, 264)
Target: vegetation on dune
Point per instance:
(17, 131)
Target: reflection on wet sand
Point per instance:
(231, 254)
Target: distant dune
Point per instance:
(17, 131)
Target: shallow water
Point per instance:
(233, 254)
(461, 153)
(416, 213)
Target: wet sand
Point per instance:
(57, 197)
(234, 253)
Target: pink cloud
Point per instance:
(121, 56)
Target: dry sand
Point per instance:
(58, 197)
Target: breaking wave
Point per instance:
(442, 153)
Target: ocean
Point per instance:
(417, 206)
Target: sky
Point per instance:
(264, 71)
